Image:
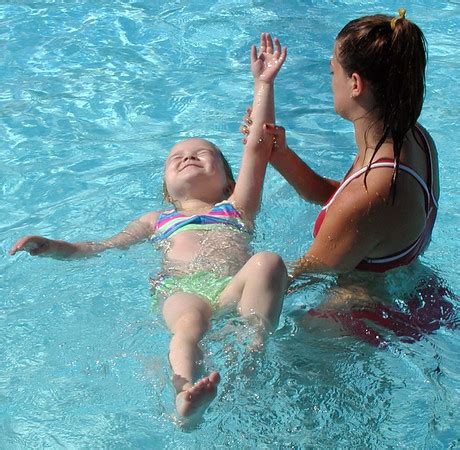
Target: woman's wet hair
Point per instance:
(228, 172)
(390, 54)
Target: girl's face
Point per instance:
(192, 167)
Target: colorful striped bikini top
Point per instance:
(222, 214)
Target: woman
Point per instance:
(382, 213)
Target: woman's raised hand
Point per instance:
(266, 63)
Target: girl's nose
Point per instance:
(191, 156)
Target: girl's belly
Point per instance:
(223, 252)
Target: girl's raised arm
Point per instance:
(265, 65)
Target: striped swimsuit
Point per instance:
(222, 214)
(408, 254)
(206, 284)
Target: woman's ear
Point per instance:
(358, 85)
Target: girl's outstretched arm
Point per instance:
(137, 231)
(265, 65)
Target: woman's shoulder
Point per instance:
(371, 183)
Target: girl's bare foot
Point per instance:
(194, 400)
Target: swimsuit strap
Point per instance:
(425, 137)
(382, 163)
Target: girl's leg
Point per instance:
(187, 316)
(259, 286)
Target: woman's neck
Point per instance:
(368, 132)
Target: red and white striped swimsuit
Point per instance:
(408, 254)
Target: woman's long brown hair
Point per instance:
(392, 58)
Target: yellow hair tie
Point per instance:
(402, 15)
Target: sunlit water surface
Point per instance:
(92, 96)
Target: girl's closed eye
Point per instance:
(175, 157)
(203, 152)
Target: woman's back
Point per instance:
(406, 220)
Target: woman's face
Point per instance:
(341, 87)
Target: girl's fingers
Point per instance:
(278, 48)
(263, 43)
(20, 246)
(253, 54)
(269, 43)
(283, 55)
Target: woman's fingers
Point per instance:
(247, 119)
(277, 135)
(244, 129)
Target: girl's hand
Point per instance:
(266, 64)
(34, 245)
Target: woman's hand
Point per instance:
(267, 63)
(278, 137)
(275, 133)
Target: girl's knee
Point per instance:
(183, 306)
(192, 324)
(269, 263)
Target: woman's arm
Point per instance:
(352, 229)
(137, 231)
(264, 67)
(308, 184)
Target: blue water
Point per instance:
(92, 96)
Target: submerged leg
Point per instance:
(259, 286)
(187, 316)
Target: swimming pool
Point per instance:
(93, 95)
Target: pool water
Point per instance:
(92, 96)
